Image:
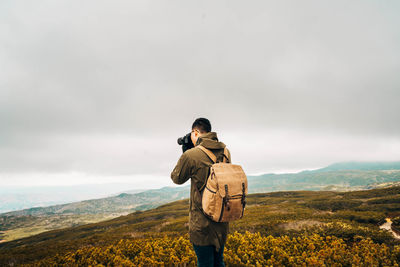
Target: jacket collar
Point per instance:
(210, 140)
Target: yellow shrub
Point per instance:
(248, 249)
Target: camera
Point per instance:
(185, 142)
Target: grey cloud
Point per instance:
(139, 68)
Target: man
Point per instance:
(208, 237)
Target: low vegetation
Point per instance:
(291, 228)
(247, 249)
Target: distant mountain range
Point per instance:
(361, 166)
(22, 223)
(123, 203)
(25, 197)
(336, 177)
(339, 176)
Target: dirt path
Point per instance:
(388, 226)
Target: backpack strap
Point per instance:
(209, 153)
(226, 159)
(212, 156)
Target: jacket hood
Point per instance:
(210, 140)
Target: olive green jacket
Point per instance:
(195, 164)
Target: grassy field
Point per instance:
(345, 215)
(17, 227)
(24, 223)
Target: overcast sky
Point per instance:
(99, 91)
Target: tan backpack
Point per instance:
(225, 190)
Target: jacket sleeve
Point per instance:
(183, 169)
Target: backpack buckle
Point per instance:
(226, 198)
(243, 195)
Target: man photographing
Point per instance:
(207, 236)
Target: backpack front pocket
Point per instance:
(208, 201)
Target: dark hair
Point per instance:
(202, 124)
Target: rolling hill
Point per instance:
(361, 166)
(337, 177)
(311, 216)
(14, 198)
(18, 224)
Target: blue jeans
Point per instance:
(208, 257)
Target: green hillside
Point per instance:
(362, 166)
(121, 203)
(23, 223)
(340, 180)
(336, 177)
(348, 216)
